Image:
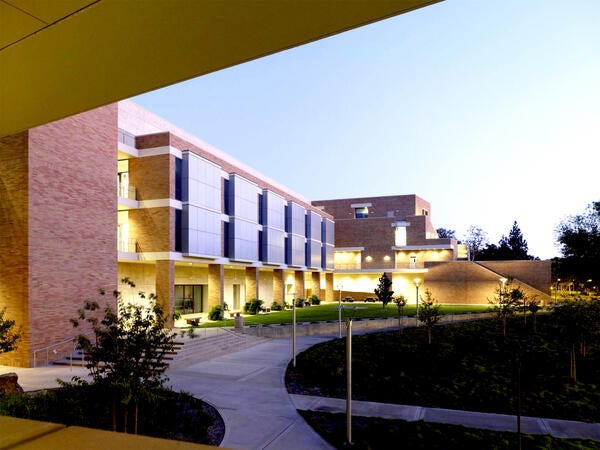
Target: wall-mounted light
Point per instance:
(386, 258)
(369, 258)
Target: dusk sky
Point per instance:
(490, 110)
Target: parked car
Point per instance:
(370, 300)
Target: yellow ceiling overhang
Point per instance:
(62, 57)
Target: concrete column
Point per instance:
(299, 283)
(251, 282)
(216, 277)
(329, 292)
(316, 283)
(165, 288)
(279, 285)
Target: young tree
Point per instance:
(128, 350)
(578, 321)
(9, 333)
(400, 304)
(507, 300)
(383, 290)
(533, 305)
(429, 313)
(476, 239)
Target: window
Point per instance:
(400, 237)
(178, 178)
(178, 230)
(188, 298)
(361, 213)
(424, 212)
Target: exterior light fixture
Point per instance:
(369, 258)
(417, 283)
(386, 258)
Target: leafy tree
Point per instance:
(128, 350)
(579, 240)
(476, 239)
(507, 301)
(446, 233)
(429, 313)
(533, 305)
(9, 334)
(577, 321)
(383, 290)
(400, 304)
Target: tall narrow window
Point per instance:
(178, 179)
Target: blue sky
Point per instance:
(490, 110)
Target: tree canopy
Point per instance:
(513, 246)
(9, 333)
(579, 239)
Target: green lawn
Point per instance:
(329, 311)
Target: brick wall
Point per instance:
(72, 219)
(14, 276)
(464, 282)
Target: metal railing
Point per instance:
(58, 350)
(127, 245)
(127, 191)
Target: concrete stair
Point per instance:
(205, 344)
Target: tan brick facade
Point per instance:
(66, 207)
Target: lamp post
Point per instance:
(340, 310)
(294, 330)
(417, 283)
(348, 380)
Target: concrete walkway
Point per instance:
(248, 389)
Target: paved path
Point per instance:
(248, 389)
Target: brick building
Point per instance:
(119, 192)
(394, 234)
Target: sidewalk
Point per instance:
(248, 389)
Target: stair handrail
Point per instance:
(54, 345)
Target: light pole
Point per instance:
(417, 283)
(348, 380)
(340, 310)
(294, 330)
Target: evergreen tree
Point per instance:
(383, 290)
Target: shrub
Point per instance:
(276, 306)
(314, 300)
(299, 302)
(216, 313)
(253, 307)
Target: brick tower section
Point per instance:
(66, 207)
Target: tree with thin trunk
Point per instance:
(507, 300)
(127, 354)
(400, 302)
(429, 313)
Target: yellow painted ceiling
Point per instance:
(62, 57)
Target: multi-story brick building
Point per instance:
(394, 234)
(119, 192)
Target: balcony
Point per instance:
(127, 191)
(127, 246)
